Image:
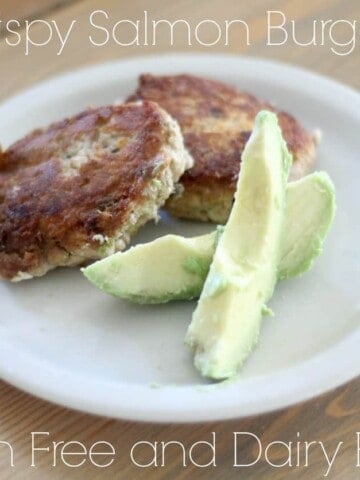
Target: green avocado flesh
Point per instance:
(275, 231)
(149, 273)
(309, 212)
(243, 273)
(173, 267)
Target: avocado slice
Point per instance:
(185, 262)
(243, 274)
(309, 212)
(138, 275)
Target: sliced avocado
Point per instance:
(242, 276)
(148, 273)
(310, 210)
(310, 207)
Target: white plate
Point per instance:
(65, 341)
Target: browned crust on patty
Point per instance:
(67, 189)
(216, 121)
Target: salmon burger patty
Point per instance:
(216, 121)
(79, 189)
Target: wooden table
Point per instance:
(332, 418)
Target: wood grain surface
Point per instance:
(28, 9)
(332, 418)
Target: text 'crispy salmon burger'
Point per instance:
(77, 190)
(216, 121)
